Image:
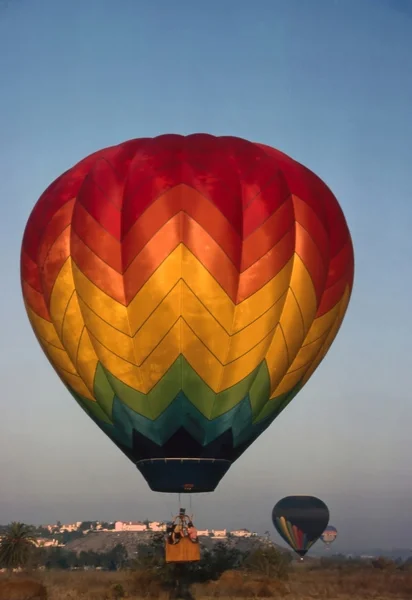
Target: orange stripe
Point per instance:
(58, 223)
(35, 301)
(310, 221)
(268, 235)
(30, 271)
(152, 255)
(104, 245)
(58, 254)
(312, 259)
(102, 275)
(266, 267)
(181, 198)
(211, 256)
(181, 228)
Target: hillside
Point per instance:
(104, 541)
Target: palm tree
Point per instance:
(16, 545)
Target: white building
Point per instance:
(129, 526)
(45, 543)
(219, 533)
(245, 533)
(203, 532)
(71, 526)
(157, 526)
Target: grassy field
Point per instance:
(303, 584)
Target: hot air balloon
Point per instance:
(185, 288)
(300, 521)
(329, 535)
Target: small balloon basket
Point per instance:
(182, 544)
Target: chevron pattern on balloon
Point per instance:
(186, 270)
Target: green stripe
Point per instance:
(93, 409)
(182, 377)
(272, 408)
(103, 391)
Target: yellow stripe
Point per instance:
(252, 334)
(135, 350)
(62, 291)
(232, 318)
(288, 382)
(129, 319)
(72, 328)
(86, 361)
(277, 360)
(165, 297)
(208, 367)
(181, 263)
(212, 334)
(343, 305)
(63, 366)
(60, 358)
(322, 325)
(151, 371)
(301, 363)
(181, 301)
(158, 324)
(104, 306)
(285, 530)
(76, 383)
(43, 328)
(304, 292)
(311, 354)
(155, 289)
(116, 341)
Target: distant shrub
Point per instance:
(269, 562)
(384, 564)
(118, 591)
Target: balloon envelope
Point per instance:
(300, 521)
(185, 289)
(329, 535)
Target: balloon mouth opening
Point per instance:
(183, 475)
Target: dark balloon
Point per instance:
(300, 521)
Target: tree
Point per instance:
(58, 558)
(269, 562)
(68, 536)
(17, 545)
(116, 558)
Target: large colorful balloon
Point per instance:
(300, 521)
(185, 289)
(329, 535)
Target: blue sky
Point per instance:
(328, 82)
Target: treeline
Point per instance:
(151, 557)
(63, 559)
(341, 562)
(148, 558)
